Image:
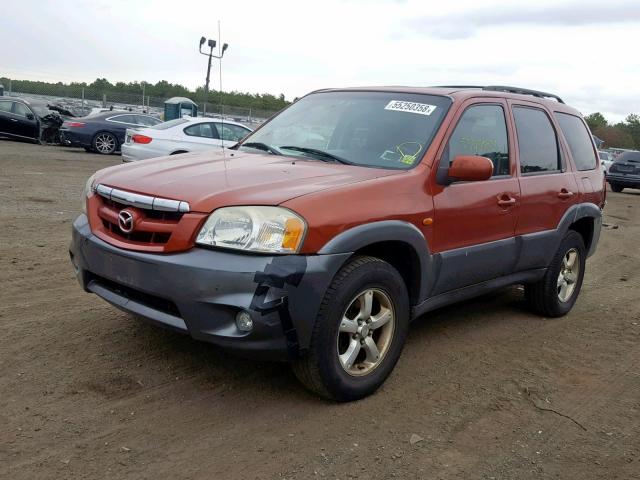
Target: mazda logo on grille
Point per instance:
(125, 221)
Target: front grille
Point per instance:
(148, 300)
(154, 227)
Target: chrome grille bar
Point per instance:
(141, 201)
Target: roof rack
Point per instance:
(502, 88)
(523, 91)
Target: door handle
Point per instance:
(564, 194)
(506, 201)
(14, 120)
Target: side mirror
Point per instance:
(470, 168)
(30, 116)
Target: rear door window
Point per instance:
(482, 130)
(537, 141)
(579, 140)
(146, 120)
(5, 106)
(128, 119)
(204, 130)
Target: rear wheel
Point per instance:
(359, 332)
(616, 187)
(105, 143)
(556, 293)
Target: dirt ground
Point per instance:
(490, 390)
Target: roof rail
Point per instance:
(522, 91)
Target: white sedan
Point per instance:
(182, 135)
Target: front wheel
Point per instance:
(616, 187)
(105, 143)
(556, 293)
(359, 331)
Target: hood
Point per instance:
(208, 180)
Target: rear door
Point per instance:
(474, 222)
(118, 125)
(584, 155)
(547, 182)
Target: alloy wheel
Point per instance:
(568, 276)
(366, 332)
(105, 143)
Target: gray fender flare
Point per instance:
(577, 212)
(362, 236)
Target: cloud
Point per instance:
(465, 24)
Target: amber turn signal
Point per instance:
(293, 233)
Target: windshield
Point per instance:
(169, 124)
(375, 129)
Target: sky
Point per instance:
(585, 51)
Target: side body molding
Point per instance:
(362, 236)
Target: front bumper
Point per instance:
(200, 291)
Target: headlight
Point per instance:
(254, 229)
(88, 188)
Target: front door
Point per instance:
(26, 121)
(474, 222)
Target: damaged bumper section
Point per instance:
(201, 291)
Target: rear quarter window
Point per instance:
(579, 140)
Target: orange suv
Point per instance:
(319, 237)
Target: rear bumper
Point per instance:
(199, 292)
(624, 180)
(73, 139)
(134, 152)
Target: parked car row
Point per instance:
(138, 136)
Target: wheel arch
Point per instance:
(397, 242)
(585, 219)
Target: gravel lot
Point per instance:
(483, 389)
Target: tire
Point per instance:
(329, 375)
(556, 293)
(105, 143)
(616, 187)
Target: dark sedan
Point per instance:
(103, 132)
(624, 172)
(28, 120)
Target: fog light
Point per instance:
(244, 322)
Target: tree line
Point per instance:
(625, 134)
(161, 89)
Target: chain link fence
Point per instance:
(81, 101)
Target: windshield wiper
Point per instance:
(319, 153)
(261, 146)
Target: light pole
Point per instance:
(143, 97)
(212, 44)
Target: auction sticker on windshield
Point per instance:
(402, 106)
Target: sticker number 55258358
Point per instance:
(402, 106)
